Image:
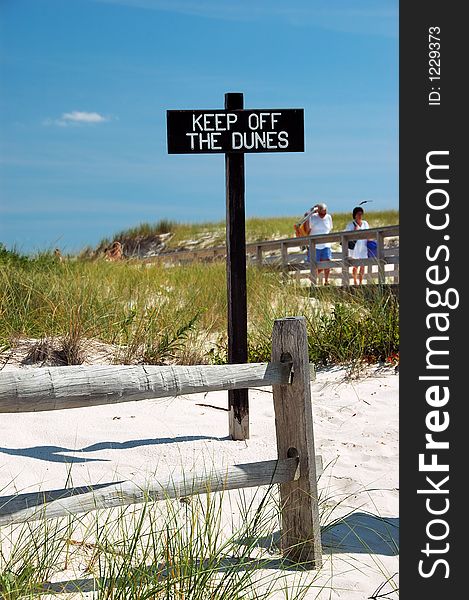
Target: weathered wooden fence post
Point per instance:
(301, 533)
(396, 273)
(380, 258)
(313, 265)
(259, 256)
(345, 263)
(284, 253)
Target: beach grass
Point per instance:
(153, 314)
(158, 315)
(222, 546)
(169, 550)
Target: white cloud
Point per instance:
(83, 117)
(77, 117)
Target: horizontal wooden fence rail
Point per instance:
(19, 508)
(295, 470)
(58, 388)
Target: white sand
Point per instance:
(356, 430)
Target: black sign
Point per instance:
(216, 131)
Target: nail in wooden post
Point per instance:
(301, 533)
(236, 278)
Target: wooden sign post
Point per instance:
(235, 131)
(238, 403)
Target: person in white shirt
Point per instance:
(361, 249)
(321, 222)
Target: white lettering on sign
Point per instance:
(219, 122)
(196, 121)
(199, 141)
(231, 120)
(255, 140)
(214, 141)
(262, 134)
(283, 139)
(262, 120)
(213, 122)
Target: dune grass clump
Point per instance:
(343, 327)
(357, 327)
(208, 546)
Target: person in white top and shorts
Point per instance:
(361, 249)
(321, 222)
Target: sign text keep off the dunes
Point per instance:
(223, 131)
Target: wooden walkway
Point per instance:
(289, 255)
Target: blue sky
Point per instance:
(85, 85)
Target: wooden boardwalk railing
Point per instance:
(295, 469)
(289, 255)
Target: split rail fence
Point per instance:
(290, 255)
(289, 374)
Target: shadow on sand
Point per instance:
(55, 453)
(357, 533)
